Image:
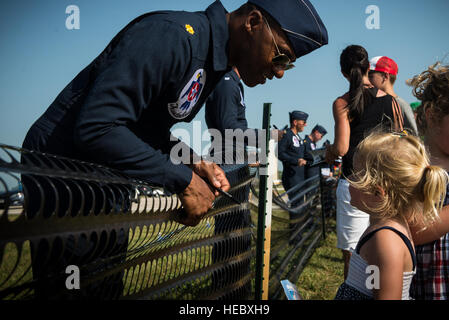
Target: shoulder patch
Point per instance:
(189, 96)
(189, 29)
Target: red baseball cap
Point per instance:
(383, 64)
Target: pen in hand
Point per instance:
(222, 192)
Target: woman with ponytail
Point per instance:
(394, 182)
(356, 113)
(431, 281)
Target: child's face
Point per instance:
(363, 201)
(359, 199)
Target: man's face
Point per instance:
(316, 136)
(299, 125)
(377, 79)
(256, 52)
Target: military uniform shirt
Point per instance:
(225, 109)
(118, 111)
(309, 145)
(290, 149)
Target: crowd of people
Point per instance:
(118, 111)
(393, 195)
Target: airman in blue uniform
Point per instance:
(158, 71)
(226, 112)
(291, 151)
(310, 141)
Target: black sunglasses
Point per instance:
(281, 61)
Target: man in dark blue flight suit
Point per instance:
(226, 113)
(291, 151)
(310, 141)
(158, 71)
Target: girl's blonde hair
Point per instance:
(432, 88)
(399, 165)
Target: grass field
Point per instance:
(319, 280)
(323, 274)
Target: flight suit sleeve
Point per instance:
(283, 150)
(307, 155)
(138, 71)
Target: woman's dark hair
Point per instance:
(354, 63)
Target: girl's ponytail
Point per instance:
(433, 185)
(356, 89)
(354, 64)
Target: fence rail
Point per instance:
(125, 245)
(124, 237)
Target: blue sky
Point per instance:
(39, 55)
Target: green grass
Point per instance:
(323, 273)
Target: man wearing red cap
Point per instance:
(382, 74)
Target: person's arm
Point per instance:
(387, 251)
(138, 72)
(307, 155)
(435, 231)
(283, 151)
(342, 131)
(133, 79)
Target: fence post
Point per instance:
(323, 207)
(264, 210)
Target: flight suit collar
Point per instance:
(216, 14)
(295, 134)
(234, 76)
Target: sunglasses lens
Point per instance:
(282, 61)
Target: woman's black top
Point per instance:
(377, 114)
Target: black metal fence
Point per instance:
(125, 245)
(122, 236)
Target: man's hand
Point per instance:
(213, 173)
(301, 162)
(196, 199)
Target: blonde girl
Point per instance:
(395, 184)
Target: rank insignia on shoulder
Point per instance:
(189, 29)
